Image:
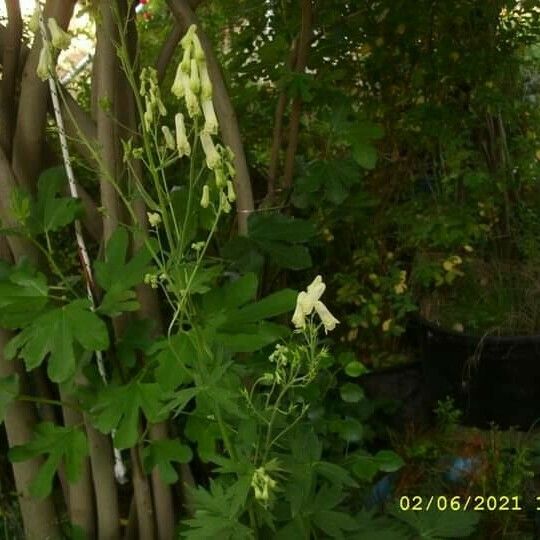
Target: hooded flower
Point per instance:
(192, 103)
(194, 79)
(211, 122)
(45, 63)
(182, 143)
(181, 80)
(206, 83)
(59, 38)
(33, 23)
(224, 203)
(213, 158)
(308, 301)
(231, 195)
(169, 139)
(198, 51)
(205, 199)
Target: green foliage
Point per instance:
(435, 525)
(56, 334)
(118, 276)
(118, 407)
(23, 294)
(162, 454)
(60, 446)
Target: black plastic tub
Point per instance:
(493, 379)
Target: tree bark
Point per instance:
(33, 102)
(296, 110)
(10, 63)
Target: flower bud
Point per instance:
(198, 51)
(231, 195)
(219, 175)
(33, 23)
(194, 81)
(185, 64)
(59, 38)
(187, 40)
(210, 118)
(45, 64)
(205, 199)
(213, 158)
(154, 218)
(181, 81)
(224, 203)
(206, 83)
(169, 139)
(182, 143)
(192, 103)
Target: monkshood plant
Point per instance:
(226, 379)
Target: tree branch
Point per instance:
(296, 110)
(10, 59)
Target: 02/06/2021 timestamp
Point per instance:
(458, 503)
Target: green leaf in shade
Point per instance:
(355, 369)
(351, 393)
(51, 212)
(23, 294)
(56, 333)
(60, 445)
(162, 454)
(119, 407)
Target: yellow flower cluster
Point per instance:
(59, 39)
(192, 84)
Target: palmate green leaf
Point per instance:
(56, 333)
(119, 407)
(118, 275)
(281, 228)
(9, 389)
(240, 326)
(60, 445)
(174, 361)
(51, 212)
(116, 272)
(435, 525)
(217, 513)
(162, 454)
(365, 466)
(23, 294)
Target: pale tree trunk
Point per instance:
(32, 112)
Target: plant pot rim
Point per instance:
(473, 338)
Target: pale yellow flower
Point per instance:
(59, 38)
(211, 122)
(168, 136)
(205, 199)
(309, 300)
(194, 80)
(154, 218)
(206, 84)
(231, 195)
(182, 143)
(45, 64)
(386, 325)
(213, 158)
(181, 80)
(328, 320)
